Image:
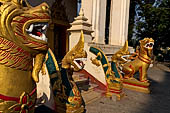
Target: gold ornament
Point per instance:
(141, 65)
(22, 37)
(67, 96)
(113, 77)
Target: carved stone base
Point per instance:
(115, 94)
(136, 85)
(75, 110)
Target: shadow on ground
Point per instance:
(135, 102)
(159, 101)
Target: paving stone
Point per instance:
(156, 102)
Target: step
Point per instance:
(90, 96)
(80, 80)
(86, 87)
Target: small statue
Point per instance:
(139, 64)
(67, 96)
(113, 76)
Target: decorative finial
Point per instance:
(81, 13)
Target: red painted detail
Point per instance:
(144, 61)
(2, 59)
(14, 46)
(140, 71)
(9, 43)
(10, 57)
(24, 101)
(17, 108)
(36, 16)
(135, 85)
(18, 21)
(88, 75)
(23, 111)
(16, 61)
(26, 66)
(19, 31)
(39, 34)
(5, 41)
(145, 58)
(33, 91)
(20, 25)
(115, 89)
(1, 40)
(46, 16)
(4, 54)
(24, 17)
(7, 98)
(20, 35)
(112, 91)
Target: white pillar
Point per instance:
(95, 11)
(119, 17)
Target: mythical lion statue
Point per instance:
(22, 38)
(142, 62)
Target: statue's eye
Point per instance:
(73, 54)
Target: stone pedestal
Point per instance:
(136, 85)
(80, 23)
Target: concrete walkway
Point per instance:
(156, 102)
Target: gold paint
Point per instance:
(76, 52)
(139, 64)
(117, 57)
(74, 104)
(110, 79)
(95, 61)
(17, 50)
(38, 64)
(142, 61)
(55, 62)
(136, 85)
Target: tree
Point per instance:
(153, 20)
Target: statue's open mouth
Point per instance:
(79, 62)
(38, 30)
(149, 45)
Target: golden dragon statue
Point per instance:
(67, 96)
(139, 64)
(114, 78)
(22, 38)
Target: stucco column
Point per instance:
(119, 17)
(95, 11)
(80, 23)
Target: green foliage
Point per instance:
(152, 20)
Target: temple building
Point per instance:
(104, 22)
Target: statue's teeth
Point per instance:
(30, 28)
(45, 26)
(44, 37)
